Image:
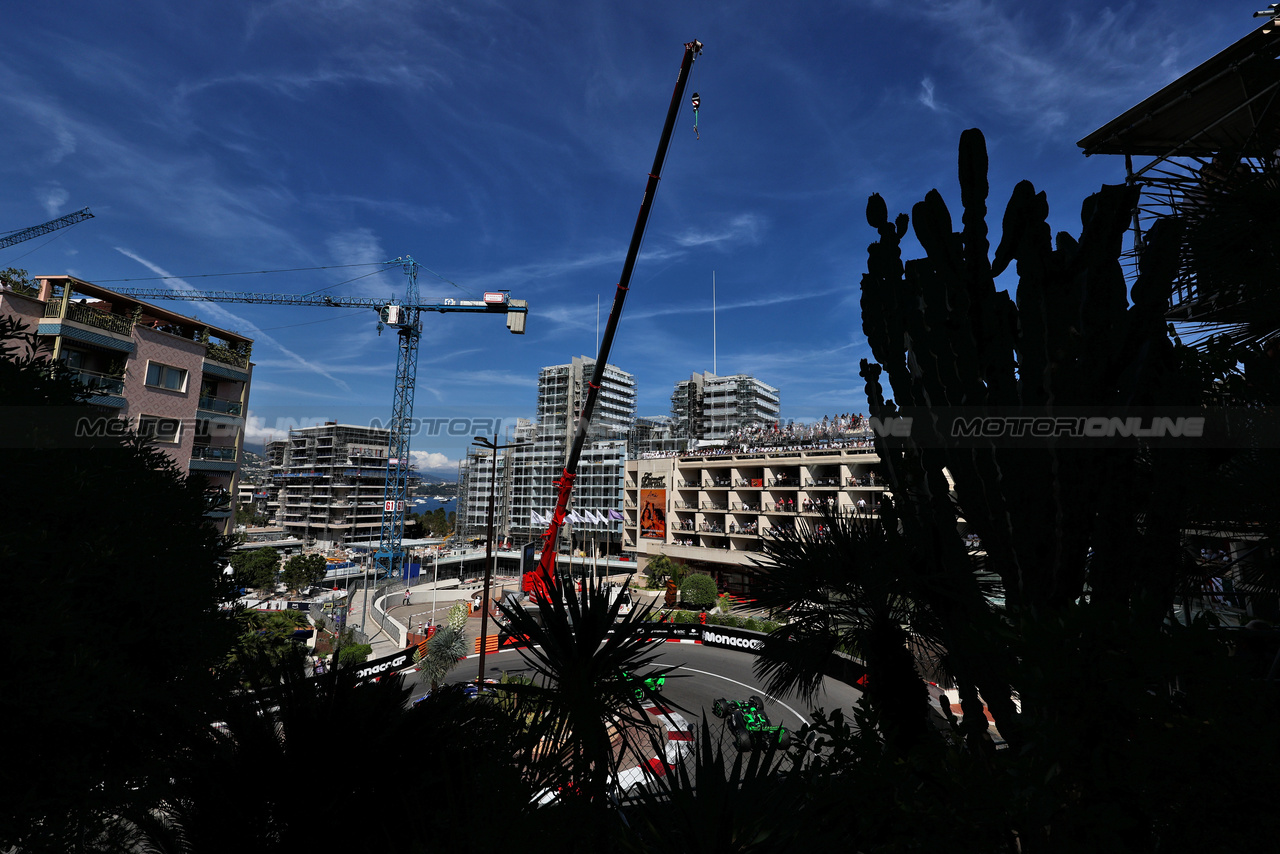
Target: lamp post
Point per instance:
(364, 609)
(435, 585)
(494, 447)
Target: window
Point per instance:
(165, 431)
(165, 376)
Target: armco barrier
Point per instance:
(838, 666)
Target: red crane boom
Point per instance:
(535, 582)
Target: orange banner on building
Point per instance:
(653, 514)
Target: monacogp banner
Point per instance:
(384, 666)
(739, 639)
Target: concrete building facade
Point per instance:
(707, 407)
(527, 473)
(475, 480)
(328, 483)
(174, 378)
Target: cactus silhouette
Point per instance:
(1053, 519)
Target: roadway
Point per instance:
(702, 674)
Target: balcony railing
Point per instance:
(209, 452)
(100, 383)
(209, 403)
(90, 316)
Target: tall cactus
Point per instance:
(1050, 518)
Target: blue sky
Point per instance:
(505, 146)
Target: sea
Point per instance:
(429, 505)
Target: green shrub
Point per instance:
(659, 568)
(698, 591)
(751, 624)
(353, 654)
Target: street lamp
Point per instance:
(494, 447)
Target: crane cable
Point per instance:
(383, 265)
(246, 272)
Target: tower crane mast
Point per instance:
(44, 228)
(405, 317)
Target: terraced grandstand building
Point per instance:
(715, 510)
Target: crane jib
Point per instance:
(402, 315)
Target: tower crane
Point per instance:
(13, 237)
(406, 318)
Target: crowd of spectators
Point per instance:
(846, 430)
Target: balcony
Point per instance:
(89, 316)
(100, 383)
(210, 452)
(224, 405)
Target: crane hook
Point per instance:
(696, 103)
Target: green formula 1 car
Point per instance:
(653, 683)
(750, 725)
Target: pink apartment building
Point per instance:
(173, 377)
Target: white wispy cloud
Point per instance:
(362, 246)
(55, 129)
(387, 369)
(1048, 69)
(296, 84)
(53, 198)
(743, 228)
(507, 378)
(777, 298)
(404, 211)
(926, 94)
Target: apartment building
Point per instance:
(715, 512)
(562, 392)
(174, 378)
(327, 483)
(527, 473)
(655, 434)
(707, 407)
(475, 482)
